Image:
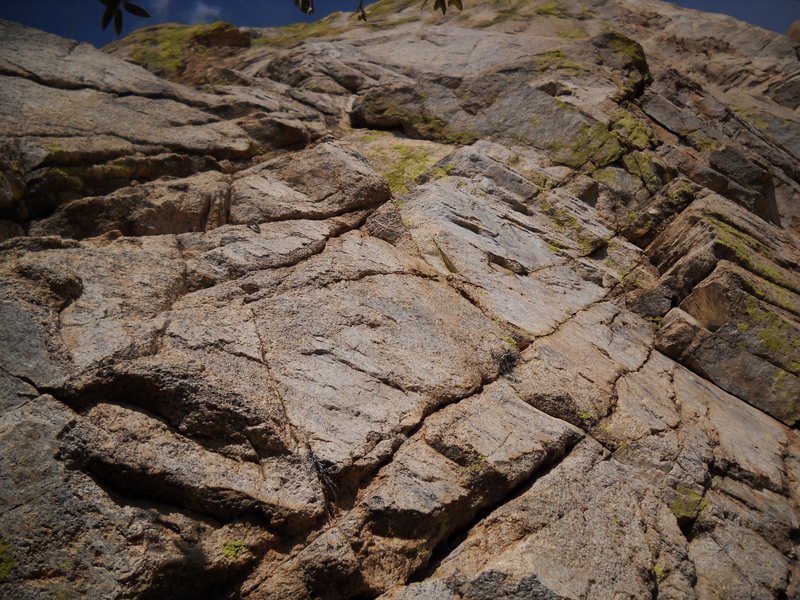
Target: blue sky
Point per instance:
(80, 19)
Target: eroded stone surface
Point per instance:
(504, 307)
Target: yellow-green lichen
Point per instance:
(684, 191)
(626, 47)
(702, 143)
(403, 165)
(560, 218)
(555, 60)
(639, 164)
(71, 177)
(768, 291)
(776, 336)
(754, 117)
(632, 130)
(386, 8)
(478, 465)
(553, 8)
(6, 558)
(370, 135)
(747, 252)
(608, 176)
(588, 245)
(422, 550)
(443, 171)
(297, 33)
(593, 142)
(162, 48)
(422, 124)
(688, 504)
(564, 105)
(571, 33)
(119, 170)
(233, 549)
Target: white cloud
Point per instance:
(203, 13)
(160, 7)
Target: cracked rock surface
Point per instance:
(504, 305)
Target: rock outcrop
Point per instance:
(499, 305)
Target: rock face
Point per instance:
(499, 305)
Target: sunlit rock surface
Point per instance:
(500, 305)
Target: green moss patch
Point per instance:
(608, 176)
(401, 162)
(386, 8)
(627, 48)
(632, 130)
(639, 164)
(571, 33)
(776, 337)
(556, 60)
(232, 550)
(748, 252)
(297, 33)
(161, 49)
(754, 117)
(593, 142)
(688, 504)
(6, 558)
(419, 123)
(410, 163)
(553, 8)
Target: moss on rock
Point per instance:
(594, 143)
(688, 504)
(556, 60)
(161, 48)
(639, 164)
(291, 35)
(6, 559)
(632, 130)
(748, 252)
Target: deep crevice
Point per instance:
(449, 544)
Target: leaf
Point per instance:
(305, 6)
(139, 11)
(440, 5)
(108, 15)
(456, 3)
(118, 21)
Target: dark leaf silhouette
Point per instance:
(113, 10)
(108, 15)
(305, 6)
(135, 9)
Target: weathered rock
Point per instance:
(542, 344)
(793, 33)
(195, 203)
(322, 182)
